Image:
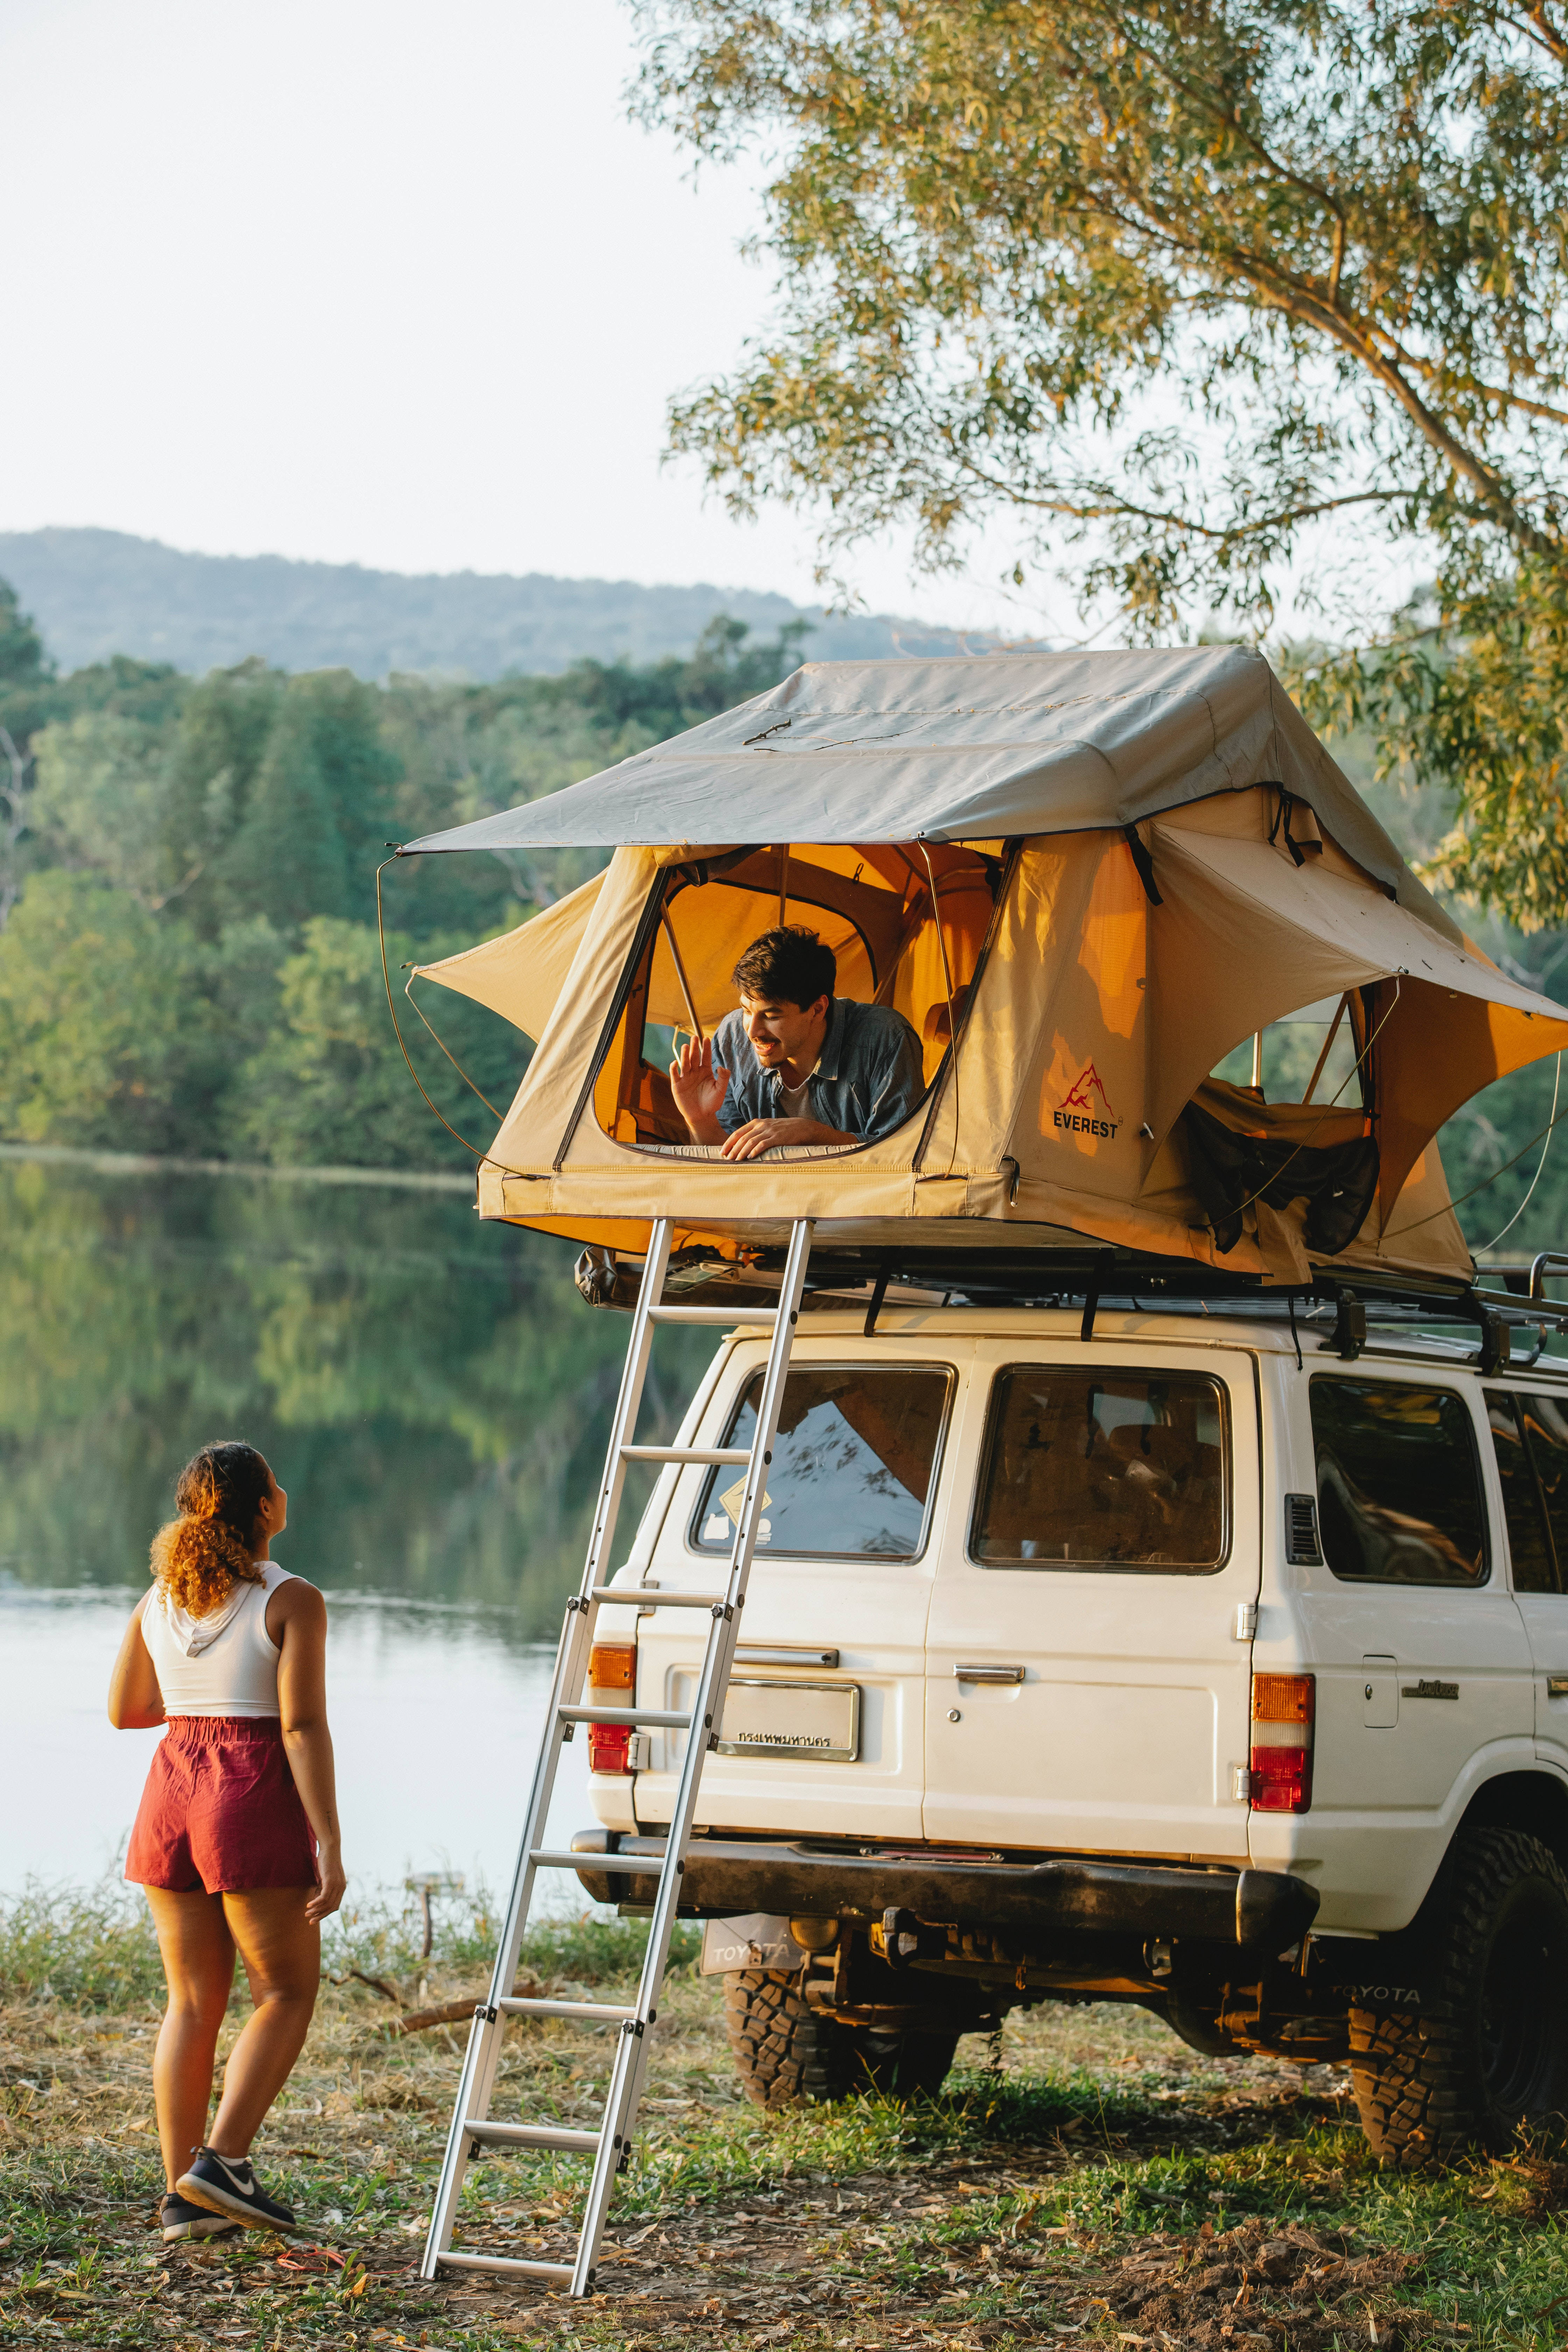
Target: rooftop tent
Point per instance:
(1085, 880)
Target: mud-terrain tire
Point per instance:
(898, 2065)
(786, 2054)
(1491, 2053)
(783, 2051)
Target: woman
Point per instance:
(237, 1839)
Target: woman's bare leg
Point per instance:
(281, 1950)
(198, 1967)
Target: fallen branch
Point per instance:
(376, 1984)
(418, 2021)
(452, 2012)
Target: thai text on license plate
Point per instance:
(792, 1718)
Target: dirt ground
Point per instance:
(1087, 2177)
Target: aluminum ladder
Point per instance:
(610, 2146)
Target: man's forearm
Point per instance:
(762, 1134)
(701, 1128)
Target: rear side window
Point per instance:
(854, 1465)
(1546, 1434)
(1112, 1470)
(1528, 1545)
(1399, 1489)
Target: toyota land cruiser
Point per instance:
(1211, 1658)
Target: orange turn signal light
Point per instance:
(1284, 1698)
(613, 1665)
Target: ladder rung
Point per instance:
(533, 2135)
(648, 1596)
(656, 1718)
(716, 1454)
(765, 1315)
(512, 2262)
(546, 1858)
(596, 2010)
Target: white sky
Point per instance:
(374, 283)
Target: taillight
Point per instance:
(613, 1665)
(1283, 1710)
(609, 1748)
(612, 1670)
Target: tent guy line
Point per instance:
(1545, 1148)
(471, 1149)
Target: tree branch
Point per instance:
(1298, 299)
(1431, 370)
(1536, 25)
(1109, 506)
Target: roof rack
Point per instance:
(1091, 1277)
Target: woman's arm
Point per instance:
(135, 1701)
(297, 1621)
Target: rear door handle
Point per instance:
(988, 1673)
(784, 1653)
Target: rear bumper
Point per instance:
(1061, 1894)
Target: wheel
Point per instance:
(1491, 2052)
(1199, 2029)
(783, 2051)
(786, 2053)
(898, 2065)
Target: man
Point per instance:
(796, 1064)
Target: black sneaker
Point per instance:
(226, 2184)
(181, 2219)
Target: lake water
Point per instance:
(434, 1396)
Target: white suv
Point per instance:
(1215, 1662)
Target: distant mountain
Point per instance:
(96, 592)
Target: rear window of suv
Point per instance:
(1399, 1486)
(854, 1466)
(1109, 1470)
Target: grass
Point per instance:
(1006, 2212)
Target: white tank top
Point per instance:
(224, 1663)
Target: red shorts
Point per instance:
(220, 1812)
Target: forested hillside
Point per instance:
(95, 593)
(188, 956)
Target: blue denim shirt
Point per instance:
(869, 1077)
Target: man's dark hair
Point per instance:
(792, 964)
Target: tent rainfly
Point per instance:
(1085, 878)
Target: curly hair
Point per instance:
(200, 1557)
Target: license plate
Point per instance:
(794, 1718)
(756, 1940)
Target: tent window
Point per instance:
(854, 1466)
(873, 907)
(1102, 1470)
(1316, 1048)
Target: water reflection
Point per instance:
(432, 1391)
(437, 1711)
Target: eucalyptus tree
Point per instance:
(1189, 292)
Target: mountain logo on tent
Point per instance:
(1086, 1107)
